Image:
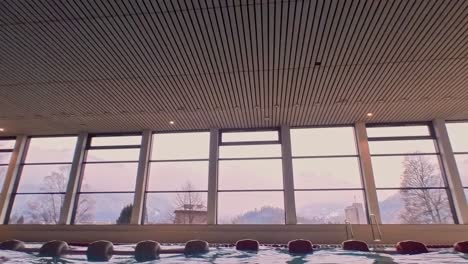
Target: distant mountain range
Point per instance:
(390, 209)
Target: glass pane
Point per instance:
(107, 177)
(250, 208)
(407, 171)
(250, 174)
(44, 178)
(249, 136)
(113, 155)
(458, 134)
(398, 131)
(330, 207)
(416, 206)
(7, 143)
(53, 149)
(115, 141)
(36, 209)
(323, 141)
(402, 147)
(462, 164)
(327, 173)
(178, 176)
(104, 208)
(180, 146)
(5, 157)
(3, 172)
(251, 151)
(176, 208)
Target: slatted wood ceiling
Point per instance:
(67, 66)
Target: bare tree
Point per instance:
(423, 206)
(46, 208)
(189, 202)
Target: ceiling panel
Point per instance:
(69, 66)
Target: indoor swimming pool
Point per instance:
(266, 254)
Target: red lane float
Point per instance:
(13, 244)
(461, 246)
(101, 250)
(147, 250)
(53, 249)
(355, 245)
(194, 247)
(300, 246)
(247, 244)
(411, 247)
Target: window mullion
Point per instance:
(367, 171)
(451, 171)
(11, 178)
(74, 180)
(288, 179)
(212, 202)
(141, 179)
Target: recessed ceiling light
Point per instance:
(171, 122)
(2, 129)
(370, 114)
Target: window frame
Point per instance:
(430, 128)
(85, 162)
(458, 153)
(432, 136)
(7, 150)
(22, 163)
(252, 142)
(151, 160)
(248, 143)
(334, 156)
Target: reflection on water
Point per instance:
(264, 255)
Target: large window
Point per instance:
(327, 178)
(178, 179)
(458, 134)
(108, 180)
(250, 181)
(408, 176)
(43, 180)
(6, 148)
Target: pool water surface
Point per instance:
(264, 255)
